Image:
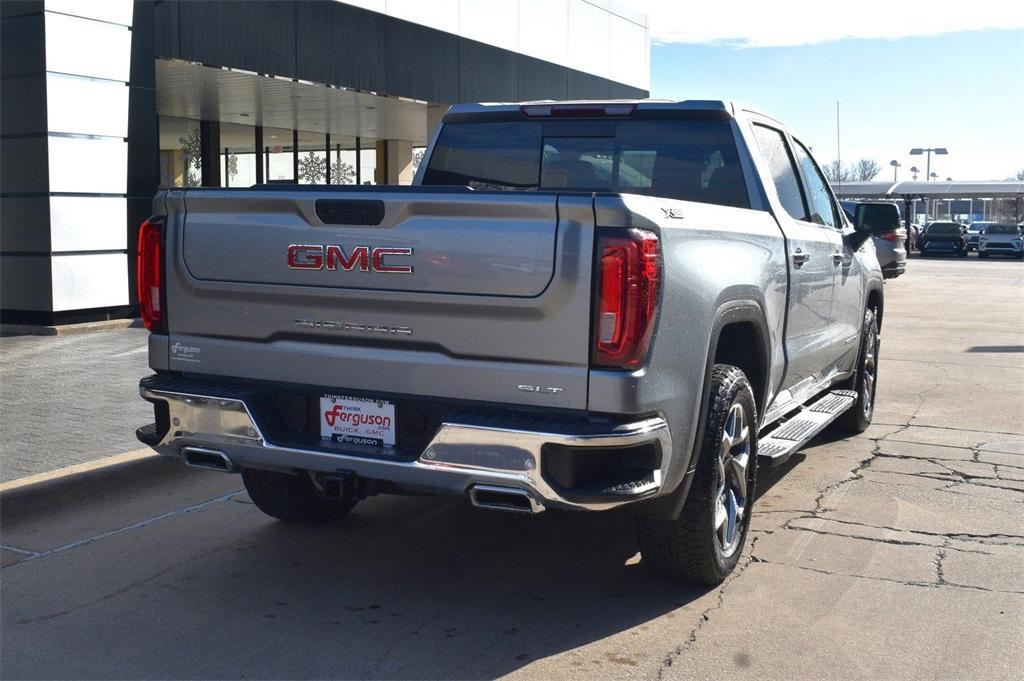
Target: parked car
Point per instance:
(943, 238)
(974, 232)
(677, 301)
(1001, 239)
(890, 246)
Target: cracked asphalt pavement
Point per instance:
(895, 554)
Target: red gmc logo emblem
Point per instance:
(361, 258)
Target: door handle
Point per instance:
(799, 257)
(837, 258)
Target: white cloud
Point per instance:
(746, 23)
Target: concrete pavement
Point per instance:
(895, 554)
(65, 400)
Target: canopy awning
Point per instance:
(928, 190)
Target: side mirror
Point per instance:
(876, 218)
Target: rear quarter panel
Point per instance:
(713, 255)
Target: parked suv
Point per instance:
(890, 246)
(974, 232)
(943, 238)
(579, 305)
(1000, 239)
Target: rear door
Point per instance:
(811, 252)
(850, 281)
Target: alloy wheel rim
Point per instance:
(731, 490)
(869, 369)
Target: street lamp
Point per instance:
(939, 151)
(914, 170)
(895, 168)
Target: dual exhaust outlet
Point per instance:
(492, 497)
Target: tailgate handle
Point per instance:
(350, 211)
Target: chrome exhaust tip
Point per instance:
(210, 459)
(510, 499)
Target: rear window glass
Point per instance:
(676, 159)
(1002, 229)
(943, 228)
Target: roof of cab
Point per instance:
(645, 104)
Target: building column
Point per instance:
(435, 112)
(65, 160)
(400, 168)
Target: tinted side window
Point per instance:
(787, 183)
(822, 211)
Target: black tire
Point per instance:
(962, 254)
(692, 548)
(292, 497)
(857, 418)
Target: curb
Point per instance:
(107, 478)
(67, 329)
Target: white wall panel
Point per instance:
(86, 106)
(588, 38)
(495, 22)
(544, 29)
(115, 11)
(87, 48)
(93, 166)
(626, 59)
(440, 14)
(373, 5)
(85, 281)
(88, 223)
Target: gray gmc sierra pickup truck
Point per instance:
(577, 305)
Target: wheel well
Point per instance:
(741, 345)
(875, 303)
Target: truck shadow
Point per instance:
(424, 588)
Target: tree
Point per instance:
(1019, 177)
(835, 172)
(865, 169)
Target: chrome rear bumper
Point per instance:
(460, 455)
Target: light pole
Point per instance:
(939, 151)
(895, 168)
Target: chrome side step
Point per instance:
(775, 448)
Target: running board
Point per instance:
(775, 448)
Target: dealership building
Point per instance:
(105, 101)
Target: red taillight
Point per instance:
(893, 236)
(629, 270)
(150, 274)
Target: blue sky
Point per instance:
(962, 90)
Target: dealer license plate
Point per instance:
(357, 420)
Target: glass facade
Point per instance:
(251, 154)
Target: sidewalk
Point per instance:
(65, 400)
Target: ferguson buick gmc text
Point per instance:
(577, 305)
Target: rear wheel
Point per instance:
(295, 498)
(857, 418)
(704, 544)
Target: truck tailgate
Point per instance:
(482, 296)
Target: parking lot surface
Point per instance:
(65, 400)
(895, 554)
